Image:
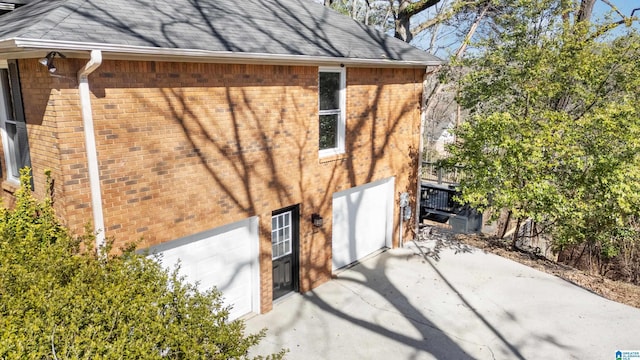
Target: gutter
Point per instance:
(7, 6)
(130, 52)
(90, 143)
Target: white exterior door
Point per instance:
(362, 221)
(225, 257)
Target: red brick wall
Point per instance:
(55, 133)
(186, 147)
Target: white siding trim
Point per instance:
(169, 54)
(341, 135)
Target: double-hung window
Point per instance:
(332, 101)
(14, 128)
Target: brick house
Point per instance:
(264, 145)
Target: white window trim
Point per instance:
(11, 177)
(340, 149)
(288, 230)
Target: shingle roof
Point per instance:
(269, 27)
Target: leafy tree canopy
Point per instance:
(554, 133)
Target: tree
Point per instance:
(406, 10)
(553, 133)
(59, 299)
(379, 13)
(368, 12)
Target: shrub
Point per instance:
(61, 299)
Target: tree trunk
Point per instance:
(577, 260)
(367, 12)
(406, 10)
(514, 237)
(586, 8)
(403, 22)
(505, 227)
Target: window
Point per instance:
(332, 100)
(281, 235)
(14, 128)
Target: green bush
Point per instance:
(61, 300)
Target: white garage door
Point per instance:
(224, 257)
(362, 221)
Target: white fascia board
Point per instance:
(129, 52)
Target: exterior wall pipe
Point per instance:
(90, 143)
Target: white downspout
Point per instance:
(90, 144)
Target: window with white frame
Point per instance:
(281, 235)
(14, 128)
(332, 101)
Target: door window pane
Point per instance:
(281, 236)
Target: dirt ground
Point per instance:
(619, 291)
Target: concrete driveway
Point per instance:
(456, 302)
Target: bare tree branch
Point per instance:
(614, 8)
(407, 8)
(444, 16)
(430, 103)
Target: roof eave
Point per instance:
(21, 48)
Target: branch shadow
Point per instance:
(514, 350)
(432, 241)
(432, 340)
(286, 27)
(198, 118)
(368, 298)
(512, 347)
(203, 124)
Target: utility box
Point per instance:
(466, 222)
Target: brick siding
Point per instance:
(186, 147)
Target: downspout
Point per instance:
(90, 143)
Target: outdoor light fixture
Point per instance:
(48, 60)
(316, 219)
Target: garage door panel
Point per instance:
(224, 257)
(362, 221)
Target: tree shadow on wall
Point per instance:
(234, 149)
(239, 143)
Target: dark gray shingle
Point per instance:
(270, 27)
